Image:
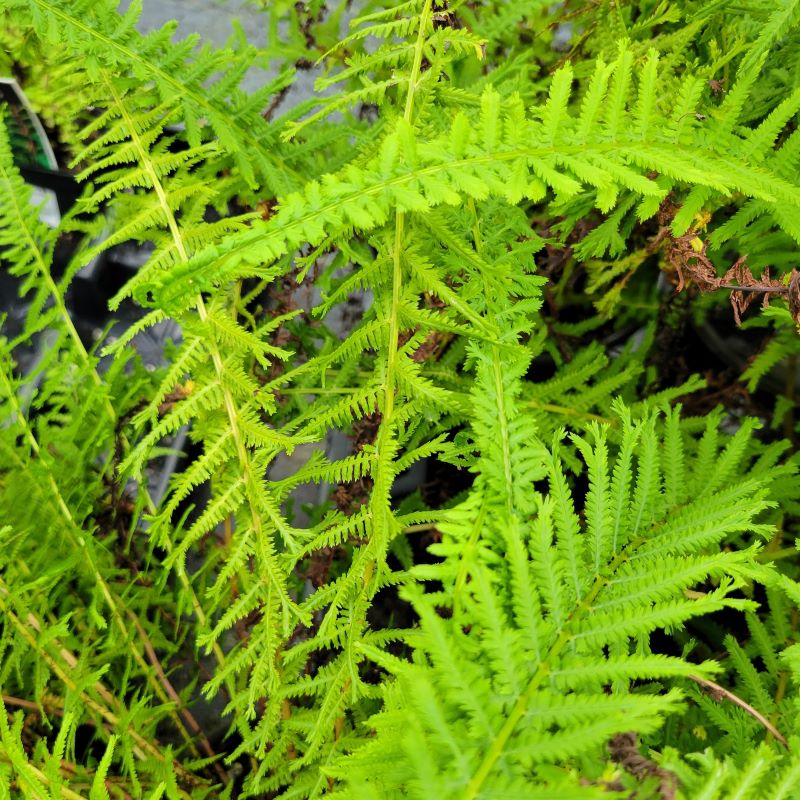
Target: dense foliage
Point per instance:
(530, 213)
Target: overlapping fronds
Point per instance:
(196, 87)
(549, 612)
(453, 203)
(508, 153)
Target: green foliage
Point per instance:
(600, 560)
(556, 612)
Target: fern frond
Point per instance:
(551, 625)
(179, 77)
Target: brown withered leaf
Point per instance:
(686, 258)
(624, 750)
(180, 392)
(793, 295)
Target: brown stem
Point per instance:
(8, 700)
(719, 692)
(754, 289)
(175, 697)
(286, 713)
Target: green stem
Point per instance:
(40, 776)
(382, 482)
(566, 411)
(777, 555)
(521, 706)
(230, 408)
(399, 229)
(497, 375)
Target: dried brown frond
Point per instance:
(624, 750)
(687, 260)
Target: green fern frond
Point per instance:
(552, 623)
(179, 75)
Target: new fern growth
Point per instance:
(594, 590)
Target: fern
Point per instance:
(564, 613)
(499, 210)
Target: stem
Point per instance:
(230, 405)
(142, 745)
(566, 411)
(717, 691)
(780, 692)
(8, 700)
(399, 228)
(40, 776)
(754, 289)
(505, 442)
(790, 391)
(776, 555)
(385, 432)
(421, 527)
(252, 484)
(380, 500)
(497, 374)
